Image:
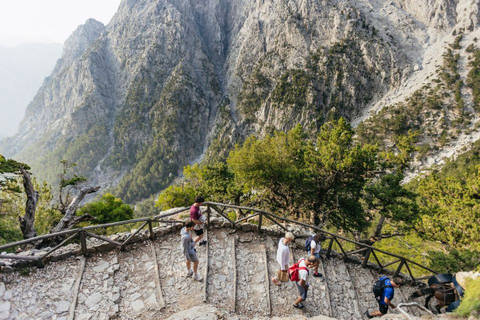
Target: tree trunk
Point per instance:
(377, 234)
(28, 220)
(68, 220)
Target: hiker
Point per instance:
(313, 247)
(283, 257)
(188, 250)
(301, 278)
(199, 219)
(384, 292)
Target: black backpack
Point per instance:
(307, 244)
(378, 288)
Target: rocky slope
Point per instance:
(167, 83)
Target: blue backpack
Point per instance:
(307, 244)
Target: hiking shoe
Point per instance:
(202, 243)
(298, 306)
(368, 315)
(197, 277)
(190, 273)
(317, 275)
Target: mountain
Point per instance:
(22, 70)
(170, 83)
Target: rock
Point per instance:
(4, 310)
(101, 267)
(93, 299)
(7, 295)
(62, 306)
(137, 305)
(2, 289)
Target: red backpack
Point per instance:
(293, 271)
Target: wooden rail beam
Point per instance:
(157, 277)
(76, 289)
(267, 281)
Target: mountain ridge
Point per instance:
(167, 83)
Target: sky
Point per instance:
(36, 21)
(49, 20)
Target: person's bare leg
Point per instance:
(376, 313)
(198, 238)
(188, 265)
(195, 267)
(299, 299)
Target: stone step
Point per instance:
(284, 295)
(252, 286)
(342, 292)
(220, 281)
(39, 293)
(363, 282)
(139, 296)
(99, 295)
(179, 291)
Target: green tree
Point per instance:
(387, 197)
(108, 209)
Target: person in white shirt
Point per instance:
(315, 247)
(302, 284)
(283, 255)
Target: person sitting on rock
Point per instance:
(188, 250)
(199, 219)
(283, 257)
(302, 284)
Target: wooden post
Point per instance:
(205, 282)
(397, 272)
(327, 290)
(76, 289)
(260, 223)
(83, 242)
(329, 250)
(234, 276)
(157, 277)
(365, 260)
(208, 217)
(150, 230)
(267, 281)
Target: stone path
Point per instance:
(342, 292)
(148, 281)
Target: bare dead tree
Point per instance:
(28, 220)
(69, 219)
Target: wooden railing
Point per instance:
(403, 263)
(248, 213)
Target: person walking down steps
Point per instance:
(199, 219)
(383, 289)
(299, 274)
(283, 257)
(313, 247)
(188, 250)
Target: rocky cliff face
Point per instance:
(169, 82)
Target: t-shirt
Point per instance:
(196, 214)
(316, 248)
(387, 292)
(303, 274)
(283, 255)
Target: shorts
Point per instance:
(382, 307)
(193, 257)
(316, 254)
(198, 232)
(302, 292)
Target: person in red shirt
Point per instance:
(199, 219)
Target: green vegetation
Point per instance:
(108, 209)
(470, 303)
(473, 78)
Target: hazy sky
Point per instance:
(44, 21)
(49, 20)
